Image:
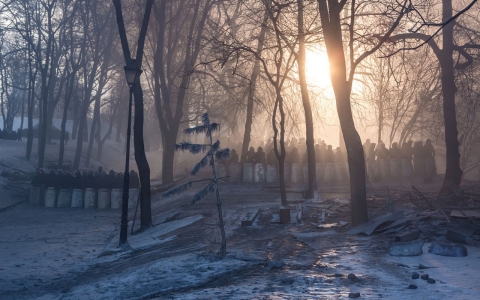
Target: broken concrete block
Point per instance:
(352, 276)
(430, 280)
(454, 250)
(407, 236)
(413, 248)
(77, 198)
(412, 286)
(424, 276)
(354, 295)
(275, 264)
(457, 237)
(415, 275)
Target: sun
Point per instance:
(317, 69)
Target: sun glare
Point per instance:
(318, 69)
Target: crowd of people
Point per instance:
(296, 152)
(6, 134)
(421, 154)
(62, 179)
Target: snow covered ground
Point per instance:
(60, 253)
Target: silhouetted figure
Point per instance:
(366, 148)
(429, 156)
(329, 155)
(233, 157)
(382, 152)
(78, 182)
(318, 154)
(67, 180)
(418, 156)
(271, 158)
(395, 152)
(110, 178)
(293, 157)
(134, 180)
(60, 179)
(406, 151)
(91, 180)
(339, 158)
(39, 178)
(260, 157)
(250, 158)
(323, 152)
(118, 180)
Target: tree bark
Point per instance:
(309, 132)
(453, 173)
(251, 91)
(140, 157)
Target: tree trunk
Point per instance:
(331, 23)
(141, 160)
(96, 117)
(312, 173)
(453, 173)
(251, 91)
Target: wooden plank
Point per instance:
(250, 219)
(465, 214)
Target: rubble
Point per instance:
(454, 250)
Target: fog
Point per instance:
(187, 133)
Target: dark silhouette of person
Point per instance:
(371, 153)
(260, 157)
(39, 178)
(233, 157)
(382, 152)
(77, 181)
(406, 151)
(329, 155)
(272, 158)
(429, 156)
(134, 180)
(339, 158)
(418, 158)
(110, 179)
(250, 157)
(318, 154)
(395, 152)
(366, 148)
(293, 156)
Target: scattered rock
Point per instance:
(424, 276)
(413, 248)
(412, 287)
(454, 250)
(430, 280)
(415, 275)
(352, 276)
(275, 264)
(354, 295)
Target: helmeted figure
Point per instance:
(293, 157)
(134, 180)
(418, 159)
(250, 157)
(329, 155)
(272, 158)
(233, 157)
(39, 179)
(429, 156)
(260, 157)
